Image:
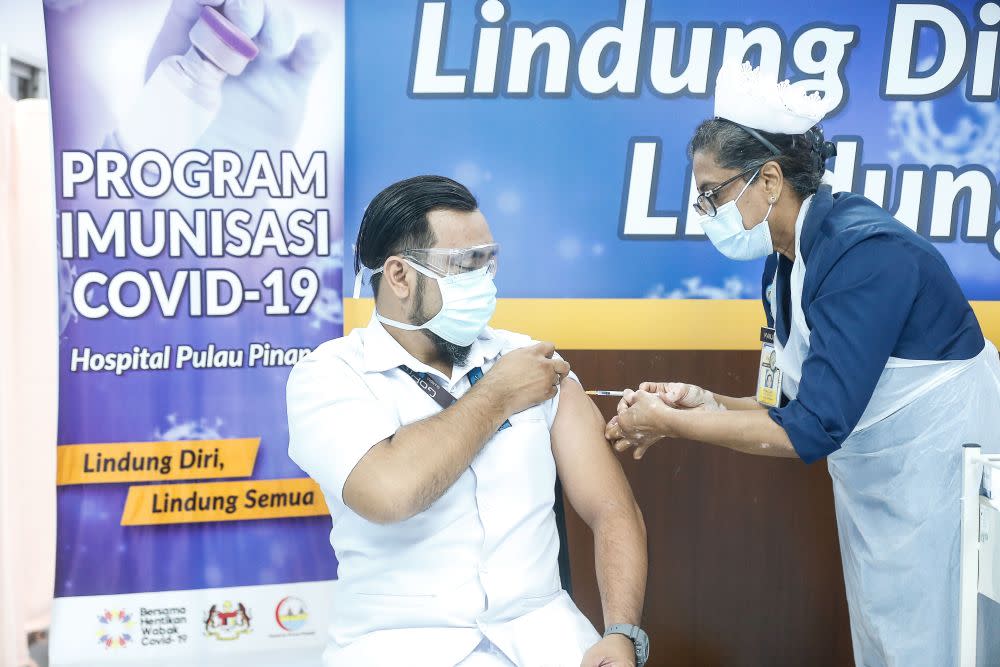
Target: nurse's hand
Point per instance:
(643, 420)
(612, 651)
(681, 395)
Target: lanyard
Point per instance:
(431, 387)
(442, 396)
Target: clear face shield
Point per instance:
(445, 262)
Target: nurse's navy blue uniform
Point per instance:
(873, 290)
(887, 375)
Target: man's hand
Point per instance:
(525, 377)
(613, 651)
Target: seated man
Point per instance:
(437, 442)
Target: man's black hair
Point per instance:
(396, 219)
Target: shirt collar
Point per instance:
(383, 353)
(820, 206)
(799, 222)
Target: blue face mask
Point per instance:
(467, 304)
(731, 238)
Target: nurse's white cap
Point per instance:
(745, 95)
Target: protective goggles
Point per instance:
(445, 261)
(455, 261)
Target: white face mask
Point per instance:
(468, 301)
(731, 238)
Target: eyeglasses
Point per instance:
(705, 204)
(455, 261)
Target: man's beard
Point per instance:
(456, 355)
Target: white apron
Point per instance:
(897, 487)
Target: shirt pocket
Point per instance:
(521, 455)
(536, 413)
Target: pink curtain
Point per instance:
(29, 342)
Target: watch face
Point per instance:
(642, 647)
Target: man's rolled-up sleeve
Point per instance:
(333, 420)
(550, 407)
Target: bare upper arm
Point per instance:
(587, 466)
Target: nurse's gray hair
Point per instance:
(802, 157)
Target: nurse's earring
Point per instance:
(770, 206)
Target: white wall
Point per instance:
(22, 30)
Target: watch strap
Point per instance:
(636, 635)
(630, 631)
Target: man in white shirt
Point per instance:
(437, 442)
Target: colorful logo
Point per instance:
(227, 621)
(291, 614)
(115, 629)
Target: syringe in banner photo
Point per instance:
(605, 392)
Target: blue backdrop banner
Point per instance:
(570, 121)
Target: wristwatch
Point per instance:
(639, 638)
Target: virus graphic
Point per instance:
(67, 311)
(202, 429)
(974, 139)
(693, 288)
(328, 308)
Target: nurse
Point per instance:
(876, 363)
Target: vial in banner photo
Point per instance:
(182, 97)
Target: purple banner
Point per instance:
(198, 159)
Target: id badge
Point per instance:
(769, 375)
